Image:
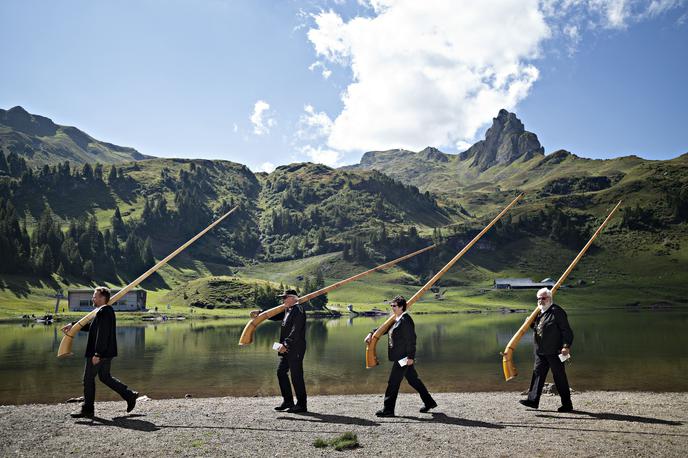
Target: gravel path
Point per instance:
(474, 424)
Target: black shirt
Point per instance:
(293, 330)
(552, 331)
(402, 339)
(102, 336)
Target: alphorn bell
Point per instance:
(371, 356)
(66, 344)
(250, 328)
(508, 365)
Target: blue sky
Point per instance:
(271, 82)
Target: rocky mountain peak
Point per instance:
(505, 141)
(433, 154)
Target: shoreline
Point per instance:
(481, 423)
(128, 317)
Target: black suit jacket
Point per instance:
(293, 330)
(552, 331)
(102, 335)
(402, 339)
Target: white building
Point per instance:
(522, 283)
(80, 300)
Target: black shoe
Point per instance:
(427, 407)
(297, 409)
(384, 413)
(528, 403)
(131, 402)
(284, 406)
(82, 414)
(565, 409)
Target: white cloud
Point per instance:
(462, 146)
(266, 167)
(435, 72)
(322, 155)
(325, 72)
(261, 118)
(658, 7)
(235, 128)
(314, 127)
(428, 73)
(313, 124)
(607, 14)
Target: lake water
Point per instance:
(613, 350)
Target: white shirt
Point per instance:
(399, 317)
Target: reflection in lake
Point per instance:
(613, 350)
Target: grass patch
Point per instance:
(346, 441)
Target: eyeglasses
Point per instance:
(395, 305)
(543, 298)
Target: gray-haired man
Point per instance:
(553, 337)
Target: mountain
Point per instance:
(506, 141)
(40, 141)
(508, 158)
(55, 220)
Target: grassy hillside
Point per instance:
(305, 220)
(40, 141)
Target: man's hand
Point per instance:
(368, 338)
(565, 351)
(282, 349)
(254, 313)
(95, 360)
(409, 362)
(66, 328)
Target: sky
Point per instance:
(267, 83)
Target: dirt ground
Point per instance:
(467, 424)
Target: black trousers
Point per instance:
(292, 362)
(543, 363)
(395, 377)
(102, 370)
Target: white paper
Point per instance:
(276, 346)
(563, 358)
(403, 361)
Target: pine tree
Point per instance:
(98, 172)
(61, 272)
(118, 227)
(87, 172)
(89, 270)
(71, 258)
(44, 262)
(319, 302)
(4, 167)
(112, 176)
(321, 241)
(148, 259)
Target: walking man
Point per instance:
(553, 338)
(100, 349)
(291, 350)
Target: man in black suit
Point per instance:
(100, 349)
(291, 351)
(401, 349)
(553, 337)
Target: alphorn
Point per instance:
(508, 365)
(371, 356)
(250, 328)
(67, 340)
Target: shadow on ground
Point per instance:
(616, 417)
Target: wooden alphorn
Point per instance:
(371, 356)
(508, 365)
(67, 340)
(250, 328)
